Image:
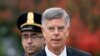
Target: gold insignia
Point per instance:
(30, 20)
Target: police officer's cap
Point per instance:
(29, 21)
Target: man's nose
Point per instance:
(56, 32)
(29, 40)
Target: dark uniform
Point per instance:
(29, 22)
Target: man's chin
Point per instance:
(30, 52)
(56, 45)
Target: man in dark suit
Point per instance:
(55, 29)
(29, 24)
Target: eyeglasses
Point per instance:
(32, 36)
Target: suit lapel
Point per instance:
(69, 52)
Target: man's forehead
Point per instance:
(55, 24)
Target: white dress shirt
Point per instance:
(49, 53)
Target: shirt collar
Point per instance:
(49, 53)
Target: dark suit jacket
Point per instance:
(70, 52)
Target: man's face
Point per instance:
(32, 41)
(55, 32)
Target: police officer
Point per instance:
(29, 25)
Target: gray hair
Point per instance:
(55, 13)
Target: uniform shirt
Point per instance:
(49, 53)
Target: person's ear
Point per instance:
(67, 31)
(43, 31)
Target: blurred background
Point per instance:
(85, 23)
